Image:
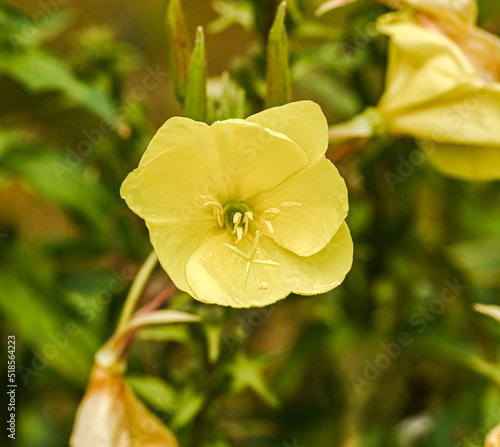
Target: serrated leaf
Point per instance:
(195, 106)
(279, 90)
(179, 48)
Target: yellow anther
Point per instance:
(237, 218)
(271, 213)
(218, 210)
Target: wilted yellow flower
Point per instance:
(110, 415)
(443, 86)
(454, 11)
(243, 212)
(493, 438)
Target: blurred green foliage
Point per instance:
(393, 357)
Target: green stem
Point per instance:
(136, 289)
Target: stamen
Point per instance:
(271, 213)
(246, 221)
(237, 218)
(218, 210)
(249, 258)
(269, 226)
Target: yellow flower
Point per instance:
(110, 415)
(243, 212)
(493, 438)
(454, 11)
(443, 85)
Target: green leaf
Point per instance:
(179, 48)
(56, 337)
(195, 106)
(39, 71)
(189, 404)
(248, 373)
(279, 90)
(154, 391)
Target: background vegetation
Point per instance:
(394, 357)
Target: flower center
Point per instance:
(235, 216)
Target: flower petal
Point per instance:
(493, 438)
(180, 131)
(175, 243)
(301, 121)
(252, 158)
(318, 273)
(305, 229)
(169, 188)
(433, 92)
(111, 415)
(216, 275)
(479, 163)
(458, 12)
(423, 64)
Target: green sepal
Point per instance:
(195, 106)
(179, 48)
(279, 89)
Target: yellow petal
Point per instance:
(176, 242)
(488, 309)
(459, 12)
(180, 131)
(216, 275)
(301, 121)
(433, 91)
(493, 438)
(423, 65)
(318, 273)
(480, 163)
(110, 415)
(322, 195)
(253, 158)
(475, 43)
(169, 187)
